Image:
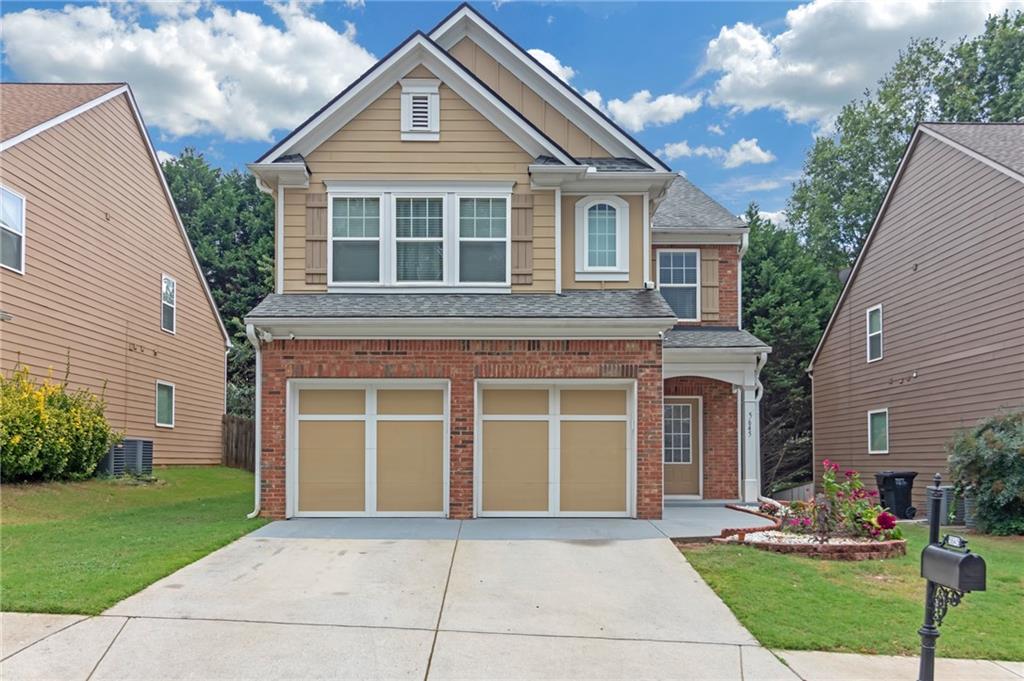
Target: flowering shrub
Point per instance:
(48, 433)
(842, 508)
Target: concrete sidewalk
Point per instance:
(818, 666)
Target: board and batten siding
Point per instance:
(945, 264)
(99, 235)
(370, 147)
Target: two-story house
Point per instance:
(925, 338)
(98, 281)
(492, 301)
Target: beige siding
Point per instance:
(945, 265)
(636, 246)
(522, 98)
(370, 147)
(100, 233)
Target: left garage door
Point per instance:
(367, 450)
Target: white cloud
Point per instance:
(677, 150)
(171, 8)
(164, 156)
(219, 71)
(642, 110)
(776, 216)
(716, 130)
(828, 54)
(551, 19)
(746, 151)
(551, 63)
(594, 97)
(355, 4)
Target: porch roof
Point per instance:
(714, 337)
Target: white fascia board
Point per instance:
(703, 237)
(281, 174)
(571, 180)
(417, 50)
(57, 120)
(466, 23)
(398, 186)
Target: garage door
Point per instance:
(554, 450)
(373, 450)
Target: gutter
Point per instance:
(250, 332)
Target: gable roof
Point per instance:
(687, 207)
(27, 106)
(414, 50)
(982, 136)
(465, 21)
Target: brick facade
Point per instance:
(728, 283)
(718, 430)
(462, 362)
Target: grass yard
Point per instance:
(81, 547)
(795, 603)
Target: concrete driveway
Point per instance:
(416, 599)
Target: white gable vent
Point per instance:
(420, 110)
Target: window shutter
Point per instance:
(522, 238)
(316, 239)
(709, 284)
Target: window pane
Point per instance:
(166, 317)
(601, 242)
(169, 291)
(482, 261)
(875, 346)
(874, 321)
(683, 300)
(677, 268)
(879, 432)
(421, 218)
(356, 217)
(10, 249)
(482, 218)
(418, 261)
(677, 424)
(11, 209)
(355, 261)
(165, 405)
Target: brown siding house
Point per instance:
(92, 246)
(926, 336)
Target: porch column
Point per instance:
(751, 443)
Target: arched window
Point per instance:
(602, 238)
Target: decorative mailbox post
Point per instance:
(952, 571)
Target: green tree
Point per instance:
(230, 223)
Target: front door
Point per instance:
(682, 453)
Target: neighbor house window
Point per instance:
(679, 282)
(678, 424)
(355, 239)
(421, 110)
(874, 331)
(168, 303)
(483, 230)
(12, 230)
(878, 431)
(602, 239)
(164, 404)
(419, 239)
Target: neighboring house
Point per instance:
(466, 320)
(926, 336)
(97, 277)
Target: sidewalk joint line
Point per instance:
(38, 640)
(444, 597)
(282, 623)
(107, 649)
(589, 637)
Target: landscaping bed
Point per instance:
(836, 548)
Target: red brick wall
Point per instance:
(463, 361)
(728, 283)
(721, 445)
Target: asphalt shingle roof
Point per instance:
(627, 304)
(25, 105)
(603, 164)
(687, 207)
(1000, 142)
(711, 337)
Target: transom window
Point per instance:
(168, 303)
(874, 332)
(602, 239)
(483, 231)
(878, 431)
(419, 236)
(355, 239)
(679, 282)
(12, 230)
(678, 427)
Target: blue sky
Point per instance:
(735, 91)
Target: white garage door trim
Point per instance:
(371, 417)
(554, 464)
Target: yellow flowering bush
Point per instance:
(49, 433)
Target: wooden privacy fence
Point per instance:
(239, 441)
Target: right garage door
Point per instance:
(555, 450)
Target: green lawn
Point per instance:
(796, 603)
(81, 547)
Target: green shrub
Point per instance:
(988, 462)
(49, 433)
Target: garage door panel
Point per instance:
(593, 402)
(593, 466)
(332, 402)
(410, 466)
(410, 402)
(516, 402)
(332, 466)
(515, 466)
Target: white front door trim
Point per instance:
(699, 421)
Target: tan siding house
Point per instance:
(99, 237)
(927, 333)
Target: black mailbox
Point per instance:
(953, 569)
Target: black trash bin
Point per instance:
(894, 488)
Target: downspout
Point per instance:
(250, 332)
(744, 244)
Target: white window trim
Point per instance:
(457, 251)
(696, 286)
(618, 272)
(383, 208)
(421, 86)
(24, 230)
(880, 333)
(156, 404)
(174, 305)
(870, 414)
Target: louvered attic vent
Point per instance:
(420, 110)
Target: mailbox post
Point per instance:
(951, 570)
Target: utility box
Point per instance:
(961, 571)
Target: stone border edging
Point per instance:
(875, 550)
(730, 531)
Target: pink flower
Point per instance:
(886, 520)
(826, 463)
(850, 472)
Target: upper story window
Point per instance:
(483, 239)
(679, 282)
(419, 239)
(421, 110)
(874, 333)
(602, 239)
(12, 230)
(355, 239)
(168, 303)
(878, 431)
